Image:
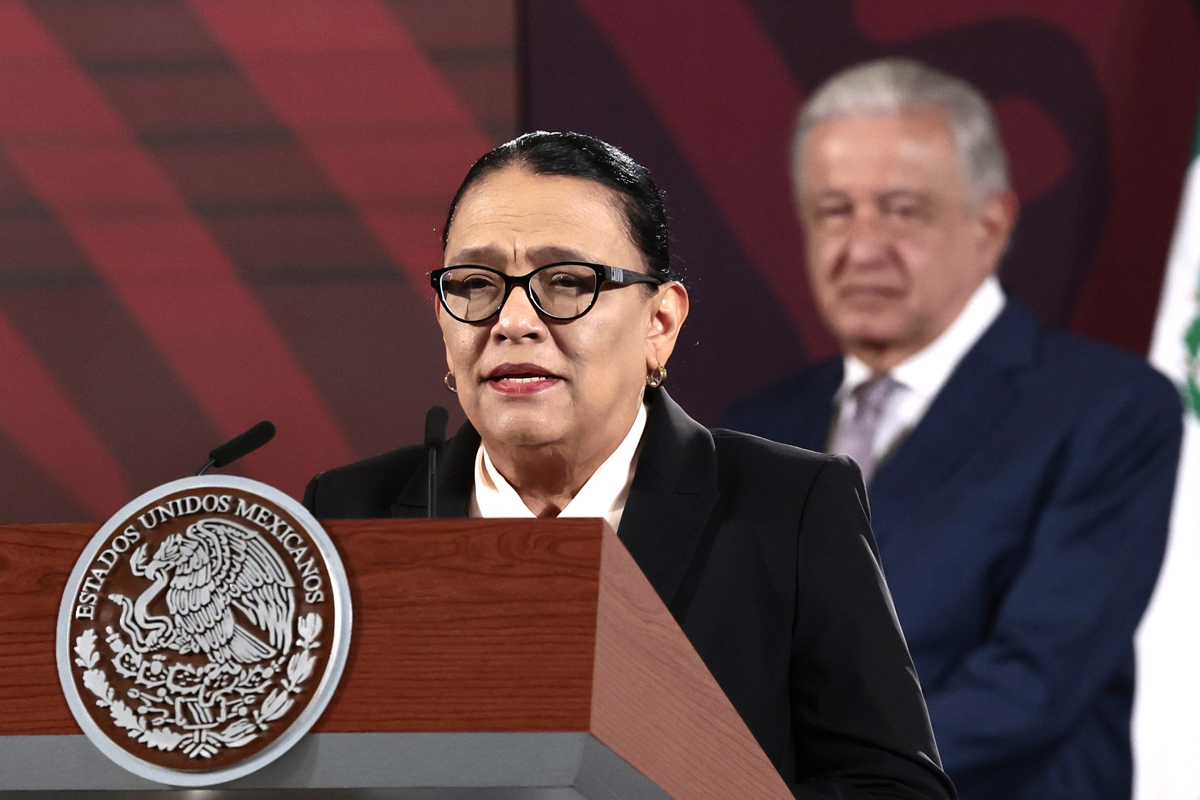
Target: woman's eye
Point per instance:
(565, 280)
(477, 283)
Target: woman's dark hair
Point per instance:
(580, 156)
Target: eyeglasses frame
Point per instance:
(604, 274)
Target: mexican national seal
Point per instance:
(203, 630)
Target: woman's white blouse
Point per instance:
(603, 495)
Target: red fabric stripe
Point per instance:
(681, 62)
(41, 420)
(366, 105)
(138, 233)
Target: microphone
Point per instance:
(240, 445)
(435, 440)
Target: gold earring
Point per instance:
(656, 377)
(450, 382)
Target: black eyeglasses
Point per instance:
(563, 291)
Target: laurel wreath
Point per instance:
(203, 743)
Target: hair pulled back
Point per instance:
(580, 156)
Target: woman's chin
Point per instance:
(525, 427)
(530, 438)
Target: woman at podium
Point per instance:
(559, 317)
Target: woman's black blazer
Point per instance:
(764, 554)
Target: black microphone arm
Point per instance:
(240, 445)
(435, 440)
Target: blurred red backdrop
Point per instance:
(218, 211)
(214, 212)
(1096, 101)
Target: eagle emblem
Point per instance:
(203, 630)
(211, 571)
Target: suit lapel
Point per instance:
(456, 477)
(672, 497)
(980, 392)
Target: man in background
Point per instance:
(1020, 479)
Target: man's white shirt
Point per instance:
(922, 375)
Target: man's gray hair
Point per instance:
(899, 85)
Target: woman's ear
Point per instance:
(669, 311)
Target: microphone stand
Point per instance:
(435, 440)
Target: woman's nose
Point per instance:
(518, 317)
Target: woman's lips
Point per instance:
(515, 380)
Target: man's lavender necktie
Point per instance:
(856, 435)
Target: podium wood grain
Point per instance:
(459, 626)
(656, 704)
(35, 562)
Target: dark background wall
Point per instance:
(218, 211)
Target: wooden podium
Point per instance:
(489, 658)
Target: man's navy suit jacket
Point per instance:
(1021, 527)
